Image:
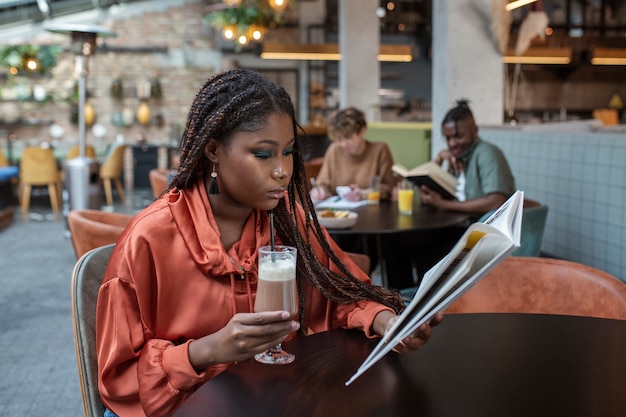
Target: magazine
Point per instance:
(483, 246)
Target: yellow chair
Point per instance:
(37, 168)
(4, 162)
(90, 152)
(111, 171)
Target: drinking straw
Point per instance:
(272, 242)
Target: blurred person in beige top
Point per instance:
(352, 160)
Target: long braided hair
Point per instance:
(242, 100)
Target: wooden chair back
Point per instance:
(545, 286)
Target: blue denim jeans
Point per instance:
(109, 413)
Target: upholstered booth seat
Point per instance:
(91, 229)
(545, 286)
(8, 178)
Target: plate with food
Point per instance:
(337, 219)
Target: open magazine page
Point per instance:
(428, 301)
(479, 250)
(506, 217)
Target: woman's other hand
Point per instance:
(413, 342)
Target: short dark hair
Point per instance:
(460, 112)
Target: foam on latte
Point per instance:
(277, 269)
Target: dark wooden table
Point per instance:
(475, 365)
(383, 221)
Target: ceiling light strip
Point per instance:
(330, 52)
(518, 3)
(609, 56)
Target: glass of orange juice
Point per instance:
(405, 197)
(373, 193)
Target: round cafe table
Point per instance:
(475, 365)
(383, 221)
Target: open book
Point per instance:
(431, 175)
(478, 251)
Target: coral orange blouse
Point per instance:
(170, 281)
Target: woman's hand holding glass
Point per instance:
(245, 335)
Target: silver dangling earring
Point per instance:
(213, 188)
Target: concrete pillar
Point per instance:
(466, 64)
(359, 69)
(310, 13)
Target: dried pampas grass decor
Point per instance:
(534, 24)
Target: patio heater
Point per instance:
(78, 170)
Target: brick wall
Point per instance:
(179, 80)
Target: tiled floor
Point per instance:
(38, 375)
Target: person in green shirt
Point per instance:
(485, 178)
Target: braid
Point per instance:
(341, 288)
(242, 100)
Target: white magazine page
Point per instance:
(501, 237)
(507, 215)
(476, 264)
(420, 309)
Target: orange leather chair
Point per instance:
(158, 181)
(90, 229)
(545, 286)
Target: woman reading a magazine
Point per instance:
(175, 308)
(485, 178)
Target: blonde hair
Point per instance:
(346, 123)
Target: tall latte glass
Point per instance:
(276, 290)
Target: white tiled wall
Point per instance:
(582, 179)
